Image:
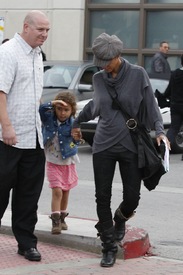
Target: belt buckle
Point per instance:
(131, 123)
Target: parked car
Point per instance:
(75, 76)
(88, 128)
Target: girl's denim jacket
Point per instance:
(68, 146)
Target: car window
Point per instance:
(86, 78)
(58, 76)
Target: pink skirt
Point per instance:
(62, 176)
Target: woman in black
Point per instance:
(174, 92)
(112, 141)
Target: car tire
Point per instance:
(177, 146)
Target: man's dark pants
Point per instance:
(22, 171)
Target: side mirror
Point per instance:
(85, 87)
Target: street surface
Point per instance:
(160, 212)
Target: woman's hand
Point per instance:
(165, 139)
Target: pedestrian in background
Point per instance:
(174, 93)
(61, 154)
(112, 141)
(159, 63)
(22, 159)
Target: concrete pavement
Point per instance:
(77, 252)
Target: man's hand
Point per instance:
(9, 135)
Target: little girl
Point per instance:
(61, 154)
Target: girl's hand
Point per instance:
(58, 101)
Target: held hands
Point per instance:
(76, 134)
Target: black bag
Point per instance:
(149, 161)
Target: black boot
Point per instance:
(120, 227)
(109, 245)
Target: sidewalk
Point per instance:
(82, 235)
(77, 252)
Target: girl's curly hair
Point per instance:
(68, 97)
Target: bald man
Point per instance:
(22, 158)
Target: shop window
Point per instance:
(160, 27)
(131, 58)
(114, 1)
(123, 23)
(164, 1)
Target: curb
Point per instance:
(134, 245)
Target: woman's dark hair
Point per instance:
(68, 97)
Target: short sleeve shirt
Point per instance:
(21, 79)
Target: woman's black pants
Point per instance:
(104, 167)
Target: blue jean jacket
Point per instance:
(50, 127)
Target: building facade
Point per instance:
(66, 36)
(140, 24)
